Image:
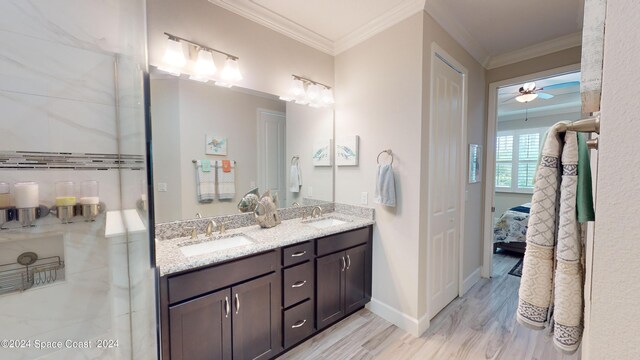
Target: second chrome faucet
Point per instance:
(212, 226)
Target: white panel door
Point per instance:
(271, 153)
(445, 183)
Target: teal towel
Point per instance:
(585, 194)
(206, 165)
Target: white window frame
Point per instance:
(515, 158)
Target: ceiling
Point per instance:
(488, 29)
(565, 100)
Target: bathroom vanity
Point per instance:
(258, 300)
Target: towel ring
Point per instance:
(388, 152)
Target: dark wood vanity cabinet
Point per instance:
(343, 284)
(260, 305)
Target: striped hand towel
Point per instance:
(205, 182)
(226, 181)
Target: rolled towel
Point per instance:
(385, 186)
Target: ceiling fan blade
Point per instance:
(561, 85)
(530, 86)
(545, 96)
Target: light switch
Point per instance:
(364, 198)
(162, 187)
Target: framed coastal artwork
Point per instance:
(347, 150)
(322, 153)
(215, 145)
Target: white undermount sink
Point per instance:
(326, 223)
(215, 245)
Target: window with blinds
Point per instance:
(517, 154)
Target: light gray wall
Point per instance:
(615, 289)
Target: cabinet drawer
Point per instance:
(182, 287)
(298, 323)
(297, 253)
(297, 283)
(338, 242)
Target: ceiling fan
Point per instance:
(529, 92)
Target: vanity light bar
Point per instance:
(181, 39)
(309, 81)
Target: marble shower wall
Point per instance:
(71, 81)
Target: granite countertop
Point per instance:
(170, 259)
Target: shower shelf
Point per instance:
(28, 271)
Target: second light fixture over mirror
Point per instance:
(308, 92)
(177, 61)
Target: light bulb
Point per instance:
(327, 97)
(313, 92)
(204, 67)
(173, 59)
(231, 71)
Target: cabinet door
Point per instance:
(201, 328)
(330, 289)
(356, 279)
(256, 318)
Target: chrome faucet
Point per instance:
(211, 226)
(313, 212)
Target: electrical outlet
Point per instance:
(162, 187)
(364, 198)
(310, 191)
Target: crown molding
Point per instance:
(276, 22)
(533, 51)
(265, 17)
(457, 31)
(379, 24)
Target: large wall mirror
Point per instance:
(237, 140)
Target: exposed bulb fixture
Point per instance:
(204, 68)
(315, 95)
(173, 59)
(524, 98)
(174, 62)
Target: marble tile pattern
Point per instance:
(176, 229)
(477, 326)
(169, 258)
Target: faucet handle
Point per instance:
(194, 231)
(223, 227)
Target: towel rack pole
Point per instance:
(195, 161)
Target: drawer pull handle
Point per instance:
(237, 304)
(299, 324)
(227, 307)
(343, 263)
(299, 253)
(298, 284)
(348, 262)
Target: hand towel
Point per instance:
(385, 186)
(295, 178)
(226, 180)
(553, 276)
(205, 183)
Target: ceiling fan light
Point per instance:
(526, 97)
(530, 86)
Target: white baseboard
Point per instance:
(405, 322)
(471, 280)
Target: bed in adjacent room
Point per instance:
(510, 231)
